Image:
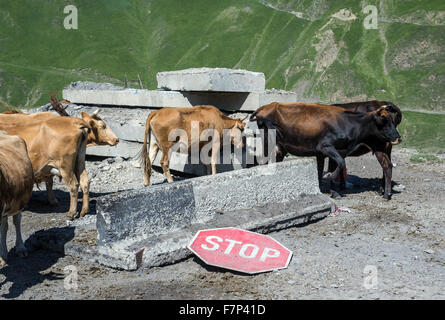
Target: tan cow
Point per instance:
(162, 123)
(100, 135)
(57, 146)
(16, 183)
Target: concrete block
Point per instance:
(127, 97)
(174, 99)
(152, 226)
(212, 79)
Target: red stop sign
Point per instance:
(240, 250)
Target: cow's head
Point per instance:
(236, 133)
(385, 125)
(101, 134)
(394, 112)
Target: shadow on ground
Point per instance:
(26, 272)
(358, 185)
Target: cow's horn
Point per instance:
(242, 120)
(96, 112)
(384, 107)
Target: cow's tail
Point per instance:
(144, 156)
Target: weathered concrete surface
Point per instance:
(152, 226)
(212, 79)
(175, 99)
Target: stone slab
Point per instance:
(158, 99)
(171, 247)
(152, 226)
(212, 79)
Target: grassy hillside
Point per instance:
(318, 48)
(423, 131)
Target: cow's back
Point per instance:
(49, 138)
(16, 174)
(299, 119)
(166, 119)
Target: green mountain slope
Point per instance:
(318, 48)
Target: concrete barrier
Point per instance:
(175, 99)
(152, 226)
(212, 79)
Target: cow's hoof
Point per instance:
(71, 216)
(21, 251)
(83, 214)
(335, 195)
(387, 197)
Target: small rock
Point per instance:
(430, 251)
(291, 282)
(399, 188)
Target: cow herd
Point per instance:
(35, 148)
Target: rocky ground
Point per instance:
(402, 239)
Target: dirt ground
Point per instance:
(403, 240)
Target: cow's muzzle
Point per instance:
(397, 141)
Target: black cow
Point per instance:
(308, 129)
(384, 157)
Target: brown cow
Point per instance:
(57, 146)
(162, 123)
(16, 182)
(309, 129)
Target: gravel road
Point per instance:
(402, 240)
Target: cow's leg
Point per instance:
(82, 178)
(388, 150)
(331, 152)
(386, 164)
(20, 249)
(50, 193)
(165, 163)
(3, 247)
(153, 153)
(331, 168)
(85, 186)
(215, 153)
(73, 186)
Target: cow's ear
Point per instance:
(85, 116)
(380, 116)
(88, 119)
